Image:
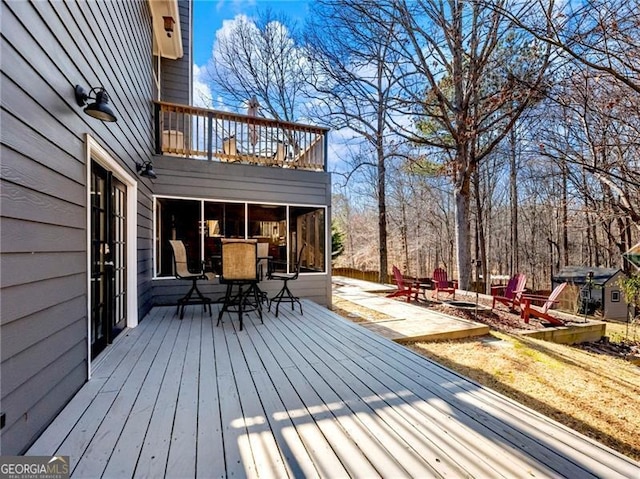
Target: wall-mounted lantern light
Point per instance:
(146, 169)
(99, 108)
(168, 25)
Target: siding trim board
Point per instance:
(98, 154)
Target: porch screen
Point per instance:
(201, 224)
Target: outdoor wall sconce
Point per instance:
(168, 25)
(146, 169)
(99, 108)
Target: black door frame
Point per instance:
(94, 152)
(108, 317)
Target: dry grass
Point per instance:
(594, 394)
(356, 313)
(620, 332)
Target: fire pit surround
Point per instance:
(464, 305)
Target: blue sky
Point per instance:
(208, 16)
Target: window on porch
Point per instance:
(201, 224)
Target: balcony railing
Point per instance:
(200, 133)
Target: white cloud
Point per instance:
(202, 96)
(235, 5)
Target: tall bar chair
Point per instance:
(182, 271)
(240, 270)
(285, 295)
(263, 269)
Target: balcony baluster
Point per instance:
(213, 135)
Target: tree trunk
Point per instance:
(589, 246)
(565, 217)
(481, 247)
(462, 232)
(404, 233)
(514, 265)
(382, 217)
(350, 236)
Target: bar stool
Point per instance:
(263, 269)
(285, 295)
(182, 271)
(240, 269)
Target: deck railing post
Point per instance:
(158, 112)
(209, 135)
(326, 148)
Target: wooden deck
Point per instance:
(300, 396)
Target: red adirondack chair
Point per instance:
(406, 287)
(441, 284)
(529, 311)
(512, 294)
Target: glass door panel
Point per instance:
(108, 258)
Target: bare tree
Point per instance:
(260, 57)
(353, 75)
(466, 77)
(600, 34)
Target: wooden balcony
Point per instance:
(300, 396)
(200, 133)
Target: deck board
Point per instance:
(209, 458)
(546, 443)
(385, 449)
(321, 396)
(129, 444)
(130, 375)
(184, 434)
(152, 461)
(291, 417)
(357, 388)
(430, 416)
(445, 392)
(264, 448)
(300, 396)
(320, 413)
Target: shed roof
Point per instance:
(633, 255)
(578, 274)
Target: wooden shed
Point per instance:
(605, 295)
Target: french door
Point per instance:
(108, 257)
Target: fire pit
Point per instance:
(464, 305)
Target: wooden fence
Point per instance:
(372, 276)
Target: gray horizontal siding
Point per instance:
(29, 362)
(63, 382)
(20, 335)
(20, 170)
(175, 75)
(236, 182)
(316, 287)
(28, 204)
(22, 268)
(20, 301)
(47, 48)
(22, 236)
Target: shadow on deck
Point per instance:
(312, 396)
